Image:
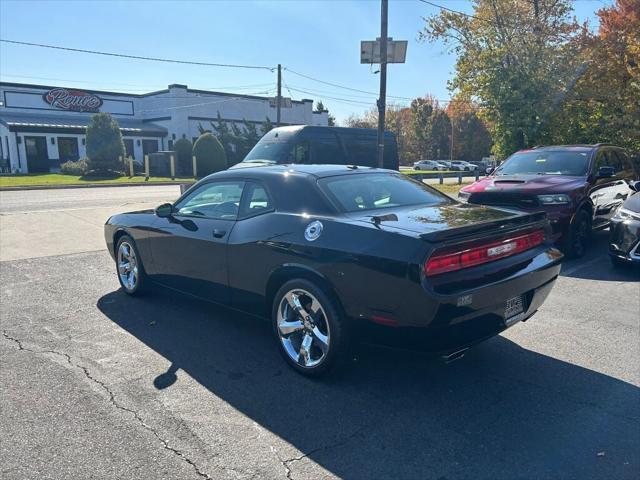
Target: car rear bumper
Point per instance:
(453, 321)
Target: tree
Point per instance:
(266, 126)
(104, 143)
(517, 58)
(431, 127)
(236, 139)
(398, 119)
(603, 106)
(184, 150)
(210, 155)
(321, 108)
(471, 138)
(225, 135)
(368, 119)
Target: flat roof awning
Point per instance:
(63, 124)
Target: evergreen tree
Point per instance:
(104, 143)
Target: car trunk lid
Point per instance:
(438, 223)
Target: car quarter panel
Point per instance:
(367, 267)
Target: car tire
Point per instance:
(575, 244)
(310, 329)
(129, 267)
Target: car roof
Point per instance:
(577, 147)
(317, 171)
(322, 128)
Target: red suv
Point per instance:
(579, 186)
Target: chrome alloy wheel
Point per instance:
(127, 266)
(303, 328)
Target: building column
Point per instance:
(13, 154)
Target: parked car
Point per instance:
(308, 144)
(329, 253)
(429, 165)
(463, 166)
(579, 186)
(624, 239)
(446, 163)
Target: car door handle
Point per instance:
(219, 233)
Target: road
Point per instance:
(39, 223)
(96, 384)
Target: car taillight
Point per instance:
(447, 261)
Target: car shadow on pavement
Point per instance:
(500, 412)
(595, 264)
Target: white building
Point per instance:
(43, 126)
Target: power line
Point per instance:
(187, 62)
(450, 9)
(345, 100)
(149, 88)
(206, 103)
(136, 57)
(340, 86)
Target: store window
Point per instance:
(68, 149)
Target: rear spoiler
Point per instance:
(492, 227)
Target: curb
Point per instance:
(93, 185)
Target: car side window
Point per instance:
(624, 167)
(220, 200)
(256, 200)
(299, 153)
(602, 160)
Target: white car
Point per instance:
(463, 166)
(428, 165)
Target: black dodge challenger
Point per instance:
(331, 252)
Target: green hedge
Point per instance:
(210, 155)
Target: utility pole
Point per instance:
(451, 146)
(382, 100)
(279, 96)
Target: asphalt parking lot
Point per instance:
(95, 384)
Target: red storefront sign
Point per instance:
(75, 100)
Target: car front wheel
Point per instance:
(129, 266)
(310, 330)
(575, 244)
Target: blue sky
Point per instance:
(317, 38)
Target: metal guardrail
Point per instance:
(442, 175)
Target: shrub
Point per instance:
(210, 155)
(104, 143)
(78, 167)
(183, 149)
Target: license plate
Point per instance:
(514, 307)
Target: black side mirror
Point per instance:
(606, 172)
(489, 170)
(635, 186)
(164, 211)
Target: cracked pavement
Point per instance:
(95, 384)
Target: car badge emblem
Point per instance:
(313, 231)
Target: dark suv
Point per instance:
(579, 186)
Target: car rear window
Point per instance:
(358, 192)
(546, 162)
